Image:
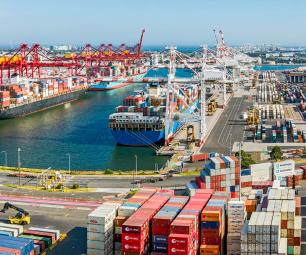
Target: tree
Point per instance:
(276, 153)
(246, 159)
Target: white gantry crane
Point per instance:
(195, 111)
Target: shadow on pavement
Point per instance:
(75, 243)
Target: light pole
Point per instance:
(69, 163)
(240, 146)
(156, 167)
(136, 159)
(18, 164)
(5, 157)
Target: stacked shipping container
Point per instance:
(126, 210)
(222, 174)
(29, 91)
(213, 224)
(275, 228)
(16, 245)
(100, 229)
(136, 229)
(184, 230)
(236, 218)
(161, 223)
(283, 202)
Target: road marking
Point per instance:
(235, 117)
(225, 124)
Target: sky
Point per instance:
(175, 22)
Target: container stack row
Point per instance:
(23, 92)
(42, 238)
(100, 229)
(274, 225)
(236, 217)
(271, 112)
(16, 245)
(222, 174)
(283, 202)
(161, 223)
(213, 224)
(267, 93)
(136, 230)
(185, 229)
(261, 234)
(127, 209)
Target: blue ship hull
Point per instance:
(138, 138)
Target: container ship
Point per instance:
(119, 80)
(140, 121)
(26, 96)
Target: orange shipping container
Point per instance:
(209, 250)
(211, 215)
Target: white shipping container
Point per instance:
(14, 232)
(100, 245)
(13, 226)
(282, 249)
(101, 216)
(99, 228)
(94, 236)
(99, 252)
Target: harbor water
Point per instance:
(79, 128)
(276, 67)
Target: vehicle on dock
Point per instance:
(22, 217)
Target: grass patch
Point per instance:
(76, 172)
(40, 188)
(108, 171)
(191, 173)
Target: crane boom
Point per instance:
(140, 42)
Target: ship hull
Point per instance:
(146, 138)
(99, 87)
(138, 138)
(40, 105)
(105, 86)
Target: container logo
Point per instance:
(174, 241)
(177, 250)
(128, 229)
(130, 238)
(130, 247)
(93, 221)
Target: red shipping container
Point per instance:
(211, 238)
(199, 157)
(179, 250)
(133, 247)
(182, 226)
(133, 238)
(179, 240)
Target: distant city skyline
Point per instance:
(172, 22)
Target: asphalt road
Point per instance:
(71, 221)
(229, 128)
(102, 181)
(125, 182)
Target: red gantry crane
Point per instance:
(28, 61)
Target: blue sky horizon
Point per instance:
(171, 22)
